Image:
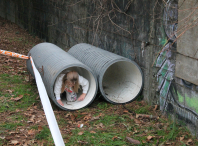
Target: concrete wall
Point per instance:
(177, 96)
(141, 30)
(187, 58)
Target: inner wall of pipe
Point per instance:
(122, 82)
(90, 94)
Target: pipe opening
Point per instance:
(121, 82)
(90, 94)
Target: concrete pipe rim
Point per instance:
(101, 76)
(93, 94)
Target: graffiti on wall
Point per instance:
(175, 93)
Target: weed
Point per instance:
(44, 134)
(139, 98)
(102, 105)
(50, 141)
(150, 128)
(173, 132)
(17, 117)
(10, 126)
(13, 87)
(16, 39)
(162, 120)
(143, 110)
(161, 132)
(2, 141)
(7, 67)
(99, 138)
(122, 119)
(62, 121)
(108, 120)
(79, 116)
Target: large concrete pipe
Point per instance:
(120, 79)
(51, 61)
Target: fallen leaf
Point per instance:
(32, 118)
(101, 125)
(141, 116)
(115, 137)
(13, 132)
(83, 142)
(143, 141)
(150, 137)
(15, 142)
(72, 117)
(101, 114)
(20, 96)
(181, 138)
(69, 114)
(137, 121)
(10, 91)
(70, 122)
(35, 107)
(133, 141)
(37, 121)
(135, 132)
(40, 128)
(125, 111)
(21, 129)
(17, 98)
(95, 118)
(87, 117)
(30, 142)
(31, 132)
(27, 78)
(84, 113)
(137, 116)
(131, 117)
(80, 133)
(189, 142)
(92, 132)
(2, 137)
(17, 110)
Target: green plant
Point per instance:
(102, 105)
(2, 141)
(108, 120)
(108, 137)
(10, 126)
(44, 134)
(62, 121)
(140, 97)
(173, 132)
(142, 110)
(14, 86)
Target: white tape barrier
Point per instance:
(13, 54)
(58, 140)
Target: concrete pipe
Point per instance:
(120, 79)
(51, 61)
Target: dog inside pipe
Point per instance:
(51, 61)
